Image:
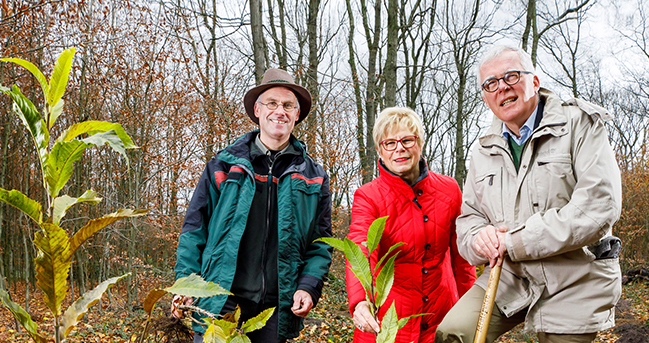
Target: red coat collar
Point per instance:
(397, 182)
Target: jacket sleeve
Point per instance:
(318, 256)
(363, 214)
(594, 205)
(463, 271)
(193, 235)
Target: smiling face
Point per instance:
(275, 126)
(511, 104)
(401, 161)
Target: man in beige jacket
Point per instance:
(541, 196)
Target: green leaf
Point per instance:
(234, 316)
(111, 138)
(359, 264)
(52, 265)
(32, 120)
(75, 312)
(194, 286)
(59, 78)
(93, 126)
(55, 112)
(65, 152)
(152, 298)
(95, 225)
(60, 162)
(374, 233)
(20, 201)
(61, 204)
(258, 321)
(22, 317)
(238, 338)
(389, 326)
(384, 281)
(387, 254)
(34, 70)
(336, 243)
(403, 321)
(214, 333)
(226, 325)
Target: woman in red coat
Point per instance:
(430, 275)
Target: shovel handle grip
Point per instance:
(487, 305)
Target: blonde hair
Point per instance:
(396, 118)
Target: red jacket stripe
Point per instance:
(219, 177)
(309, 181)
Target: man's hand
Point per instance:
(302, 303)
(363, 318)
(490, 243)
(177, 301)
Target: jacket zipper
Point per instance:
(268, 213)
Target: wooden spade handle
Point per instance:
(487, 305)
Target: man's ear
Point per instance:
(537, 83)
(256, 109)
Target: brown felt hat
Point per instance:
(274, 78)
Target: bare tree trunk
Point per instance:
(3, 174)
(390, 70)
(280, 42)
(25, 231)
(465, 45)
(27, 264)
(258, 44)
(372, 91)
(460, 160)
(530, 21)
(312, 71)
(361, 138)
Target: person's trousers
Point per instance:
(460, 322)
(250, 309)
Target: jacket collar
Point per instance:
(552, 121)
(240, 149)
(239, 152)
(396, 181)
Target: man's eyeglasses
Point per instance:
(272, 105)
(510, 78)
(406, 142)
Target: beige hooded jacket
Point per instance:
(565, 196)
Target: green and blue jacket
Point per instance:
(217, 216)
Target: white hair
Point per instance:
(497, 50)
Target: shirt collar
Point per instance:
(525, 131)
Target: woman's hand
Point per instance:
(363, 318)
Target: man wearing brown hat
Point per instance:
(257, 208)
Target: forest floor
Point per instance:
(329, 322)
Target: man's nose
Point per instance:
(504, 84)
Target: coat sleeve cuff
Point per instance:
(515, 245)
(311, 285)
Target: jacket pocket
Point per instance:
(554, 181)
(489, 187)
(304, 199)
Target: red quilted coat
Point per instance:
(430, 275)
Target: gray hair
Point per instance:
(497, 50)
